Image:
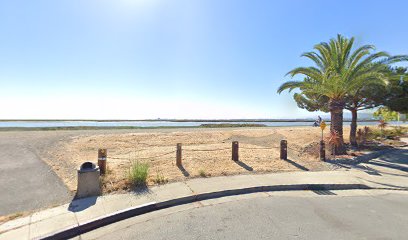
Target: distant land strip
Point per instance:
(175, 120)
(227, 125)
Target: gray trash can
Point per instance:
(88, 180)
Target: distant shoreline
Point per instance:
(3, 129)
(202, 126)
(175, 120)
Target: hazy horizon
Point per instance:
(177, 59)
(347, 116)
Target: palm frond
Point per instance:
(290, 85)
(340, 71)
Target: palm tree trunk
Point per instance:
(336, 112)
(353, 128)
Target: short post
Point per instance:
(102, 155)
(178, 154)
(284, 150)
(235, 147)
(322, 151)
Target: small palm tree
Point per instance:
(338, 72)
(334, 140)
(382, 124)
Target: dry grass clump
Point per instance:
(138, 173)
(203, 173)
(160, 178)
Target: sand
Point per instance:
(206, 152)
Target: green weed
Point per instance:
(138, 173)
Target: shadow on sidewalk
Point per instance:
(301, 167)
(394, 159)
(389, 165)
(78, 205)
(387, 185)
(140, 190)
(368, 170)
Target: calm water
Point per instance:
(146, 124)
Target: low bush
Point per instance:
(399, 131)
(392, 132)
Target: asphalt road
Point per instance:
(277, 217)
(26, 182)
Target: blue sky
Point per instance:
(134, 59)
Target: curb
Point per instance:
(102, 221)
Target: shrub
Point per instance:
(202, 173)
(399, 131)
(138, 173)
(393, 132)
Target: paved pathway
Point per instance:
(26, 182)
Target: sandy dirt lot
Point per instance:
(205, 151)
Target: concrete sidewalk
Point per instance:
(81, 211)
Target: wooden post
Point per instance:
(235, 147)
(178, 154)
(322, 151)
(284, 149)
(102, 155)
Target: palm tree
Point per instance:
(338, 71)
